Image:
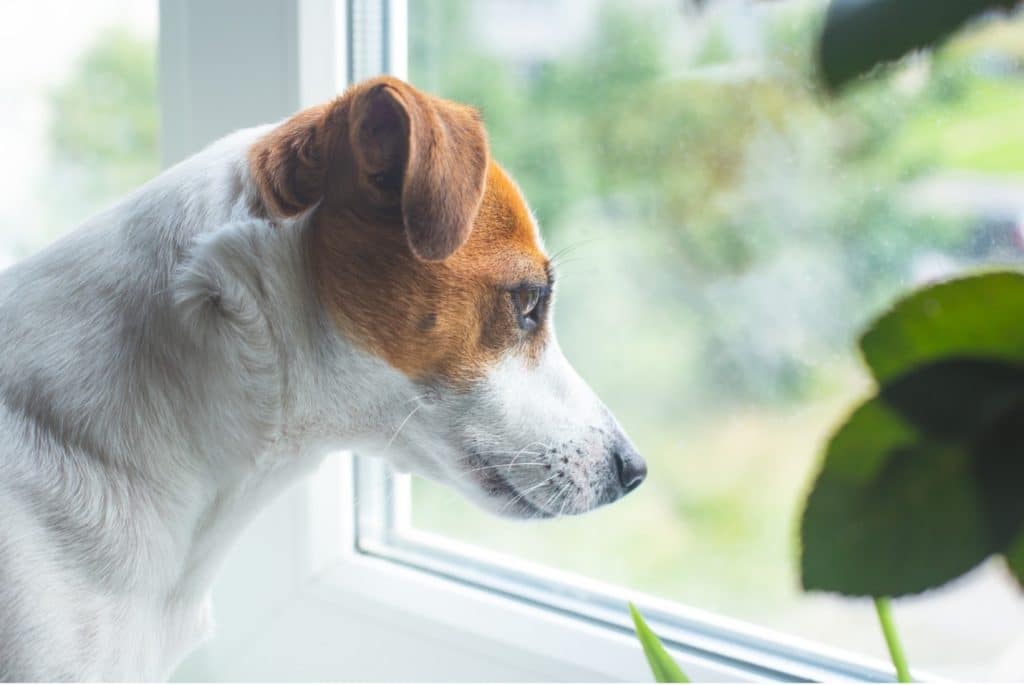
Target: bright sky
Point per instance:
(39, 42)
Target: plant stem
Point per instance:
(899, 660)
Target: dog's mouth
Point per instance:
(504, 497)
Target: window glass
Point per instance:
(725, 234)
(78, 113)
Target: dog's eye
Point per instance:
(528, 301)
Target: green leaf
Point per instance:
(663, 666)
(859, 34)
(1015, 560)
(970, 400)
(977, 316)
(920, 484)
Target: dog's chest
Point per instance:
(148, 642)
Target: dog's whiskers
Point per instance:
(516, 452)
(402, 425)
(527, 491)
(558, 257)
(555, 496)
(565, 502)
(526, 447)
(506, 466)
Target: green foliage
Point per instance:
(892, 640)
(663, 666)
(860, 34)
(1015, 559)
(103, 135)
(977, 316)
(977, 131)
(922, 482)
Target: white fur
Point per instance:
(166, 370)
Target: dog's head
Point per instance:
(426, 256)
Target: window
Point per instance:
(79, 111)
(725, 235)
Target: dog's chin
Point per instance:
(476, 479)
(495, 495)
(506, 501)
(483, 486)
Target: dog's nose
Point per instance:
(629, 466)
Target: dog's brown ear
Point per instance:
(289, 164)
(425, 155)
(385, 145)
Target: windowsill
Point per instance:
(573, 621)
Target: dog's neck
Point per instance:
(292, 388)
(305, 389)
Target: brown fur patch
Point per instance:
(433, 320)
(418, 238)
(289, 164)
(382, 147)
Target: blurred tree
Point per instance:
(103, 134)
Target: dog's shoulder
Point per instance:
(134, 352)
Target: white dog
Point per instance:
(294, 289)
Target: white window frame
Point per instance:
(336, 555)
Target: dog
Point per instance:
(361, 276)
